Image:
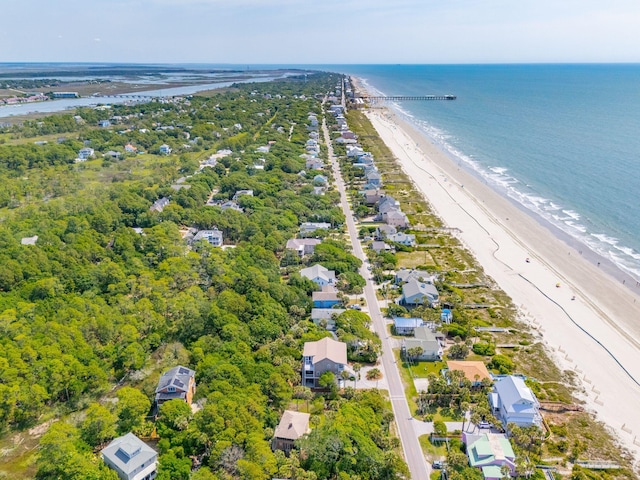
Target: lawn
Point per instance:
(432, 452)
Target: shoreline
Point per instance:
(605, 264)
(594, 336)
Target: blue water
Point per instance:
(561, 140)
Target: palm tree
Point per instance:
(415, 353)
(344, 375)
(356, 369)
(374, 374)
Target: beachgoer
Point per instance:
(527, 260)
(573, 298)
(558, 285)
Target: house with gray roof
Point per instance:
(159, 204)
(214, 237)
(292, 426)
(406, 239)
(326, 317)
(307, 228)
(304, 246)
(131, 458)
(179, 382)
(385, 232)
(513, 402)
(319, 275)
(407, 274)
(426, 339)
(416, 293)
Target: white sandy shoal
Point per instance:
(501, 237)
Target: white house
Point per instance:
(131, 458)
(319, 275)
(165, 149)
(513, 402)
(85, 153)
(407, 239)
(214, 237)
(304, 246)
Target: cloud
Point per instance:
(97, 40)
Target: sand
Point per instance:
(597, 335)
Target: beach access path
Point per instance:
(404, 420)
(597, 335)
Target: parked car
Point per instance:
(437, 465)
(484, 424)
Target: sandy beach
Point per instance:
(597, 335)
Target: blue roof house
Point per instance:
(513, 402)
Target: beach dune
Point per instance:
(596, 335)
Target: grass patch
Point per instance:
(432, 451)
(415, 259)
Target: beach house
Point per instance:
(292, 426)
(325, 355)
(425, 339)
(214, 237)
(326, 298)
(307, 228)
(319, 275)
(303, 246)
(131, 458)
(179, 382)
(406, 239)
(473, 371)
(490, 452)
(325, 317)
(513, 402)
(416, 293)
(404, 275)
(406, 326)
(159, 204)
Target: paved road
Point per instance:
(412, 451)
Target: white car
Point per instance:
(484, 425)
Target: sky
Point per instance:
(320, 32)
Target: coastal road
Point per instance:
(404, 420)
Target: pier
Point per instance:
(392, 98)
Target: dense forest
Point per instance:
(93, 311)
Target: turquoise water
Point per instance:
(561, 140)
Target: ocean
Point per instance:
(563, 141)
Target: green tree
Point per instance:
(439, 428)
(174, 415)
(132, 407)
(99, 425)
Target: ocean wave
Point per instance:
(563, 218)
